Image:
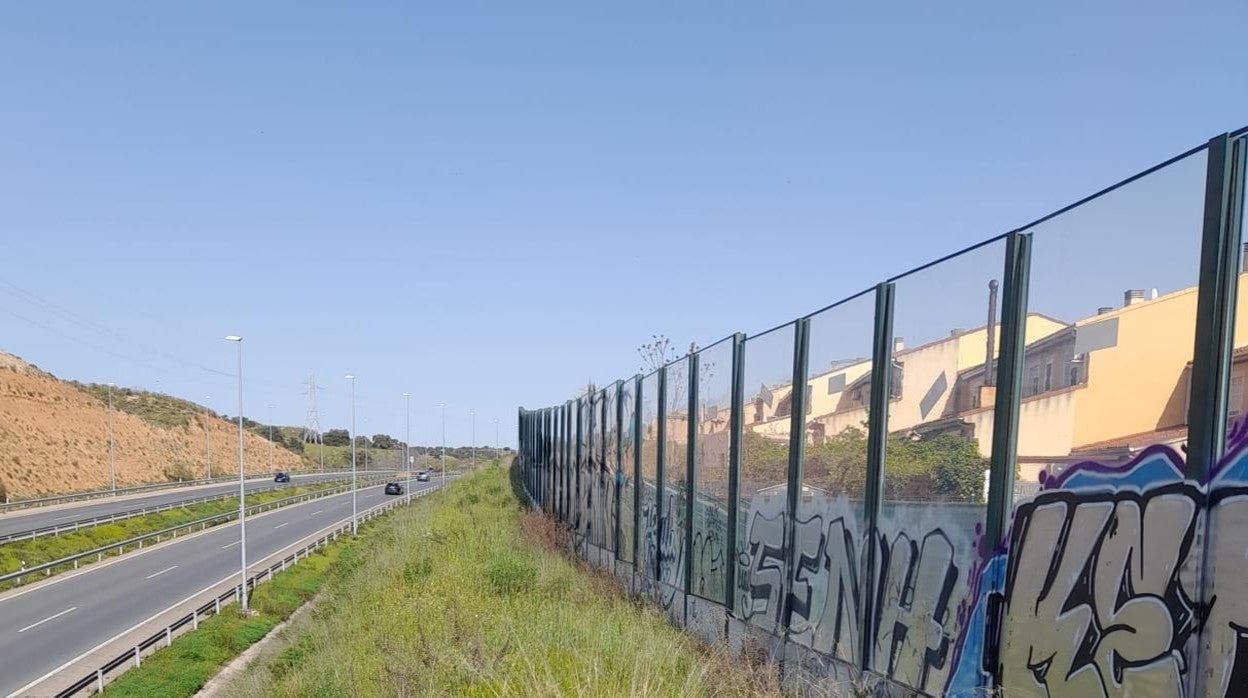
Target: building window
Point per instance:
(1048, 376)
(1235, 402)
(1035, 381)
(1074, 375)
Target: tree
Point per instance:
(336, 437)
(385, 441)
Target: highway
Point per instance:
(32, 519)
(44, 627)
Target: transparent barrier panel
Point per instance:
(628, 474)
(1103, 432)
(611, 466)
(675, 475)
(829, 528)
(649, 442)
(935, 468)
(598, 514)
(710, 478)
(762, 510)
(1111, 326)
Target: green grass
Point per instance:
(474, 596)
(379, 459)
(48, 548)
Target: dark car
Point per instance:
(281, 477)
(423, 476)
(394, 488)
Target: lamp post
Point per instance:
(271, 438)
(407, 443)
(442, 454)
(208, 441)
(242, 501)
(355, 524)
(112, 460)
(473, 414)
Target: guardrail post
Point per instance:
(138, 657)
(168, 635)
(99, 680)
(195, 619)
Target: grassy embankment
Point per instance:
(462, 594)
(48, 548)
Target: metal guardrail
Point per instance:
(91, 522)
(94, 682)
(138, 541)
(102, 494)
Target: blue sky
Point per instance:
(489, 205)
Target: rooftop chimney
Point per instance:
(1104, 309)
(899, 343)
(990, 350)
(1132, 296)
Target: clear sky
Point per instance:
(490, 204)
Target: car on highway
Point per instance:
(281, 477)
(422, 476)
(394, 488)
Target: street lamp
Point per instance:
(271, 438)
(355, 524)
(473, 414)
(208, 440)
(442, 454)
(112, 461)
(407, 444)
(242, 500)
(497, 456)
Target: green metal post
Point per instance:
(734, 467)
(877, 441)
(1215, 304)
(797, 443)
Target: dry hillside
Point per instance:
(54, 439)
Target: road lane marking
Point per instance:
(317, 512)
(157, 574)
(280, 525)
(230, 545)
(45, 620)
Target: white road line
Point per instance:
(71, 516)
(45, 620)
(317, 512)
(157, 574)
(280, 525)
(230, 545)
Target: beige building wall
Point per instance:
(1137, 385)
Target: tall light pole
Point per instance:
(355, 524)
(242, 501)
(473, 414)
(497, 456)
(407, 443)
(208, 441)
(112, 460)
(271, 438)
(442, 454)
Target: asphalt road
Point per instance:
(47, 626)
(32, 519)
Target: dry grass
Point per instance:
(54, 439)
